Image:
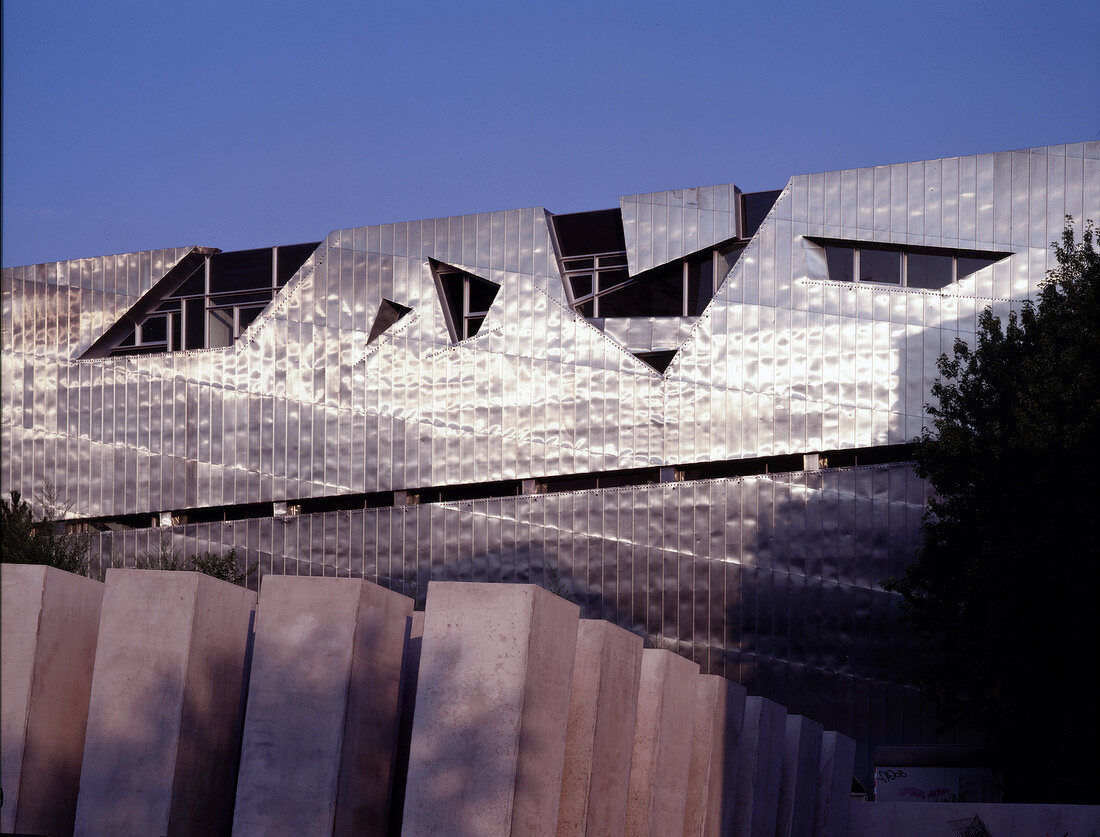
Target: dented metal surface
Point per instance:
(771, 580)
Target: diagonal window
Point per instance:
(466, 299)
(389, 312)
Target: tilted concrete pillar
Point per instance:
(798, 781)
(492, 705)
(661, 758)
(834, 785)
(164, 720)
(50, 622)
(410, 670)
(759, 768)
(602, 709)
(321, 724)
(712, 780)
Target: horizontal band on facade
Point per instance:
(623, 478)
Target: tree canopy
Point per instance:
(1003, 592)
(27, 537)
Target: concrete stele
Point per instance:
(712, 780)
(49, 622)
(410, 669)
(759, 768)
(834, 785)
(798, 781)
(164, 720)
(492, 706)
(600, 737)
(661, 758)
(321, 724)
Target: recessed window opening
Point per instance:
(467, 299)
(220, 298)
(601, 287)
(928, 268)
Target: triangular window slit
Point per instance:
(658, 360)
(466, 299)
(389, 312)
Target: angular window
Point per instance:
(466, 299)
(211, 299)
(658, 360)
(599, 284)
(928, 268)
(389, 312)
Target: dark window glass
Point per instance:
(452, 289)
(195, 284)
(839, 259)
(969, 264)
(658, 360)
(242, 298)
(658, 296)
(927, 271)
(290, 258)
(177, 331)
(585, 309)
(610, 278)
(700, 278)
(240, 270)
(129, 339)
(582, 285)
(170, 305)
(578, 264)
(473, 325)
(154, 329)
(247, 315)
(727, 258)
(196, 314)
(584, 233)
(482, 294)
(756, 206)
(613, 260)
(879, 266)
(389, 312)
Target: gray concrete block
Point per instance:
(320, 729)
(164, 719)
(600, 737)
(49, 622)
(712, 780)
(661, 759)
(759, 768)
(834, 785)
(492, 706)
(798, 780)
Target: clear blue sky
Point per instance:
(139, 125)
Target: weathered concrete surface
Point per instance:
(712, 780)
(798, 781)
(918, 819)
(492, 705)
(49, 622)
(410, 669)
(321, 724)
(164, 720)
(600, 737)
(834, 785)
(759, 767)
(661, 759)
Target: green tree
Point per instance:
(1003, 592)
(27, 537)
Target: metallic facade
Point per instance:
(771, 579)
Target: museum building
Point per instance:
(691, 413)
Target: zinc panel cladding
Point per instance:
(782, 360)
